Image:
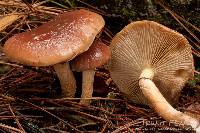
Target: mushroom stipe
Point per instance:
(97, 55)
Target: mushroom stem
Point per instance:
(87, 86)
(160, 104)
(67, 80)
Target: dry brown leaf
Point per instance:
(8, 20)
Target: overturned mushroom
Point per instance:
(57, 41)
(97, 55)
(150, 63)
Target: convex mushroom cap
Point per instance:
(97, 55)
(149, 45)
(58, 40)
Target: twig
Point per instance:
(97, 10)
(16, 119)
(160, 2)
(197, 72)
(10, 129)
(126, 126)
(40, 108)
(11, 64)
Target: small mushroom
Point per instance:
(150, 63)
(97, 55)
(55, 42)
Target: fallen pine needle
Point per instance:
(8, 20)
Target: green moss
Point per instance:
(4, 69)
(195, 81)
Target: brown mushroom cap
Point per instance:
(97, 55)
(58, 40)
(147, 44)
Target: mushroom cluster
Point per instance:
(55, 43)
(150, 64)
